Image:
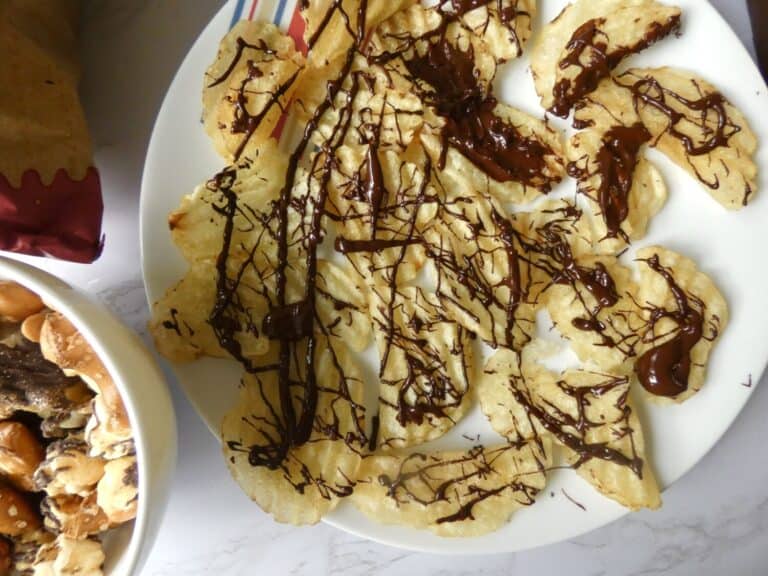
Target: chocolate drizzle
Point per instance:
(571, 430)
(492, 144)
(549, 250)
(292, 325)
(615, 166)
(419, 480)
(708, 113)
(293, 224)
(587, 40)
(664, 369)
(588, 51)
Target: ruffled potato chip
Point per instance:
(380, 201)
(587, 40)
(415, 44)
(426, 362)
(456, 494)
(298, 481)
(608, 105)
(589, 413)
(699, 129)
(509, 153)
(591, 302)
(505, 26)
(248, 86)
(684, 314)
(374, 111)
(331, 26)
(242, 195)
(181, 325)
(482, 275)
(624, 189)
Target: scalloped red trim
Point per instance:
(62, 219)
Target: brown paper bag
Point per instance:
(50, 194)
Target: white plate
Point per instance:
(728, 246)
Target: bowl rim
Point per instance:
(93, 320)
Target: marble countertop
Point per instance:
(714, 520)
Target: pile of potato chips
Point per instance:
(411, 222)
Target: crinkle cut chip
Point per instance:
(482, 275)
(589, 413)
(181, 325)
(379, 201)
(248, 86)
(243, 195)
(332, 25)
(513, 155)
(550, 238)
(426, 365)
(588, 40)
(590, 298)
(624, 190)
(592, 303)
(414, 44)
(459, 494)
(684, 314)
(698, 129)
(504, 25)
(184, 328)
(218, 308)
(298, 483)
(376, 111)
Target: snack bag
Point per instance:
(50, 194)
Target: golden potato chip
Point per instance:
(684, 314)
(379, 201)
(552, 221)
(426, 362)
(342, 306)
(181, 325)
(464, 493)
(416, 43)
(243, 196)
(248, 86)
(624, 189)
(699, 129)
(482, 274)
(331, 26)
(507, 152)
(609, 105)
(293, 465)
(589, 413)
(504, 25)
(587, 40)
(591, 302)
(372, 110)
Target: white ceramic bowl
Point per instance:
(147, 400)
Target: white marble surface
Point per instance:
(714, 521)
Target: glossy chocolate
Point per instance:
(664, 369)
(588, 51)
(615, 166)
(711, 106)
